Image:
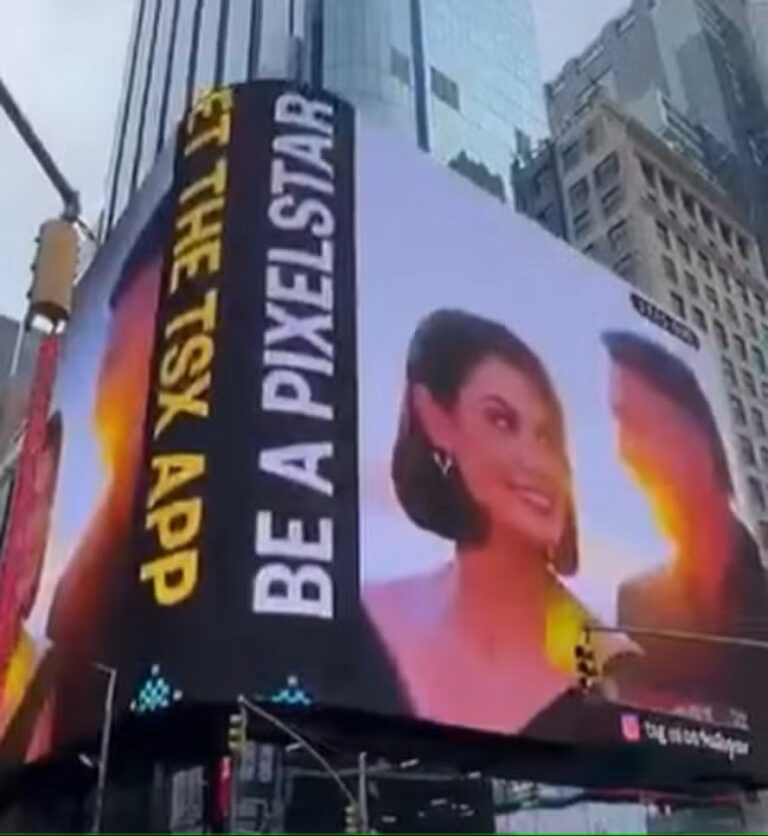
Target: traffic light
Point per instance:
(237, 732)
(351, 819)
(54, 271)
(587, 669)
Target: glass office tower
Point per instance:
(461, 78)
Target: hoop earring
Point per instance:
(443, 461)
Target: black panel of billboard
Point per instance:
(248, 506)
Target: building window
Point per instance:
(670, 271)
(751, 325)
(737, 407)
(758, 358)
(611, 200)
(707, 219)
(649, 173)
(747, 450)
(607, 170)
(724, 279)
(726, 233)
(705, 264)
(625, 267)
(760, 300)
(590, 250)
(756, 493)
(731, 311)
(578, 194)
(618, 235)
(582, 223)
(711, 295)
(668, 187)
(728, 371)
(684, 249)
(663, 233)
(689, 204)
(699, 320)
(692, 284)
(444, 88)
(593, 136)
(678, 304)
(741, 346)
(743, 245)
(623, 24)
(571, 154)
(720, 334)
(400, 66)
(546, 216)
(764, 457)
(764, 390)
(749, 383)
(541, 181)
(591, 55)
(758, 421)
(743, 292)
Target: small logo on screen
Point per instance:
(665, 320)
(630, 728)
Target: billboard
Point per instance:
(347, 433)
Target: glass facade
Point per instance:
(461, 79)
(485, 51)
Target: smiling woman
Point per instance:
(481, 459)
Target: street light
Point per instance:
(68, 194)
(357, 805)
(106, 737)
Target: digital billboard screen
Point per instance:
(347, 433)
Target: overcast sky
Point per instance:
(63, 60)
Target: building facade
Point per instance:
(689, 69)
(758, 23)
(538, 190)
(460, 78)
(653, 217)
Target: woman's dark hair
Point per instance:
(674, 380)
(447, 346)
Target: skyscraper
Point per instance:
(460, 78)
(690, 65)
(674, 85)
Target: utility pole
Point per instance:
(362, 792)
(353, 804)
(68, 194)
(106, 737)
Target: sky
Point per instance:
(63, 61)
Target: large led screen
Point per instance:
(339, 430)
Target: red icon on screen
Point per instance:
(630, 728)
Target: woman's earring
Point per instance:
(443, 461)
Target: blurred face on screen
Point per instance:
(124, 375)
(665, 449)
(121, 396)
(502, 435)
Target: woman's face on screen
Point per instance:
(503, 436)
